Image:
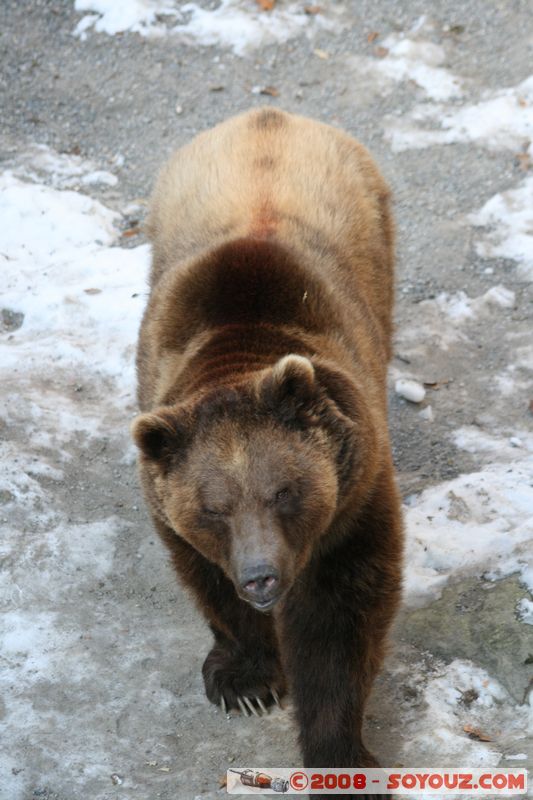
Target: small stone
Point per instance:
(6, 496)
(427, 414)
(11, 320)
(410, 390)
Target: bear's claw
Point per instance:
(243, 708)
(261, 705)
(246, 705)
(275, 695)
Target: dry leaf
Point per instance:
(321, 54)
(524, 161)
(371, 37)
(381, 52)
(223, 781)
(522, 102)
(475, 733)
(266, 5)
(313, 9)
(436, 384)
(131, 232)
(92, 291)
(270, 90)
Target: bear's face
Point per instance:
(252, 476)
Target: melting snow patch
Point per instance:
(242, 26)
(238, 24)
(410, 60)
(118, 16)
(509, 216)
(439, 734)
(77, 302)
(81, 299)
(49, 565)
(20, 486)
(525, 611)
(475, 440)
(438, 321)
(59, 170)
(480, 523)
(502, 120)
(460, 307)
(31, 639)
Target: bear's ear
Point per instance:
(160, 434)
(290, 389)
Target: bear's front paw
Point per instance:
(238, 680)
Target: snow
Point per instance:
(503, 119)
(243, 26)
(61, 271)
(480, 523)
(509, 217)
(39, 557)
(118, 16)
(436, 735)
(418, 61)
(19, 479)
(525, 611)
(40, 164)
(460, 307)
(100, 176)
(55, 244)
(236, 24)
(474, 440)
(443, 320)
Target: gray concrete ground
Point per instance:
(140, 711)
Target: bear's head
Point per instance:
(256, 475)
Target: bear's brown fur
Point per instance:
(264, 451)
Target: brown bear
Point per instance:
(264, 450)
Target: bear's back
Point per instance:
(280, 192)
(267, 174)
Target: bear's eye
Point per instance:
(211, 512)
(286, 500)
(282, 494)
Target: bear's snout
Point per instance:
(260, 585)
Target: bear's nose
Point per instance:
(260, 584)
